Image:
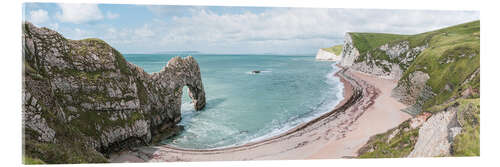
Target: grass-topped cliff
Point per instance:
(337, 49)
(437, 72)
(82, 100)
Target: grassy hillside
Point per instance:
(457, 45)
(452, 61)
(370, 42)
(337, 49)
(451, 57)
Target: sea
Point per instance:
(243, 106)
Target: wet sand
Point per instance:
(367, 109)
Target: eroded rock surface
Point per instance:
(436, 135)
(413, 91)
(84, 90)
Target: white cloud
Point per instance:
(39, 16)
(111, 30)
(79, 13)
(169, 10)
(278, 30)
(307, 29)
(144, 31)
(111, 15)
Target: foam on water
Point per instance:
(322, 108)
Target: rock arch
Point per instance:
(178, 73)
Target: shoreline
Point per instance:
(309, 140)
(383, 115)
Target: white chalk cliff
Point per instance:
(327, 56)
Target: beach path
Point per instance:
(383, 115)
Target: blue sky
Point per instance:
(255, 30)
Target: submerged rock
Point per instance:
(84, 92)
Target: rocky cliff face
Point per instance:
(387, 61)
(349, 52)
(84, 91)
(413, 91)
(327, 56)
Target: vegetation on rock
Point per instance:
(337, 49)
(394, 143)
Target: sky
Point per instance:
(229, 30)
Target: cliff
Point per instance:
(433, 69)
(83, 100)
(329, 54)
(384, 55)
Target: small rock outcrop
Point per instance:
(84, 91)
(413, 91)
(323, 55)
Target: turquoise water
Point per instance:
(244, 107)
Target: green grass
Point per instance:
(400, 145)
(337, 49)
(121, 63)
(365, 42)
(61, 153)
(32, 161)
(467, 142)
(69, 148)
(449, 44)
(94, 40)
